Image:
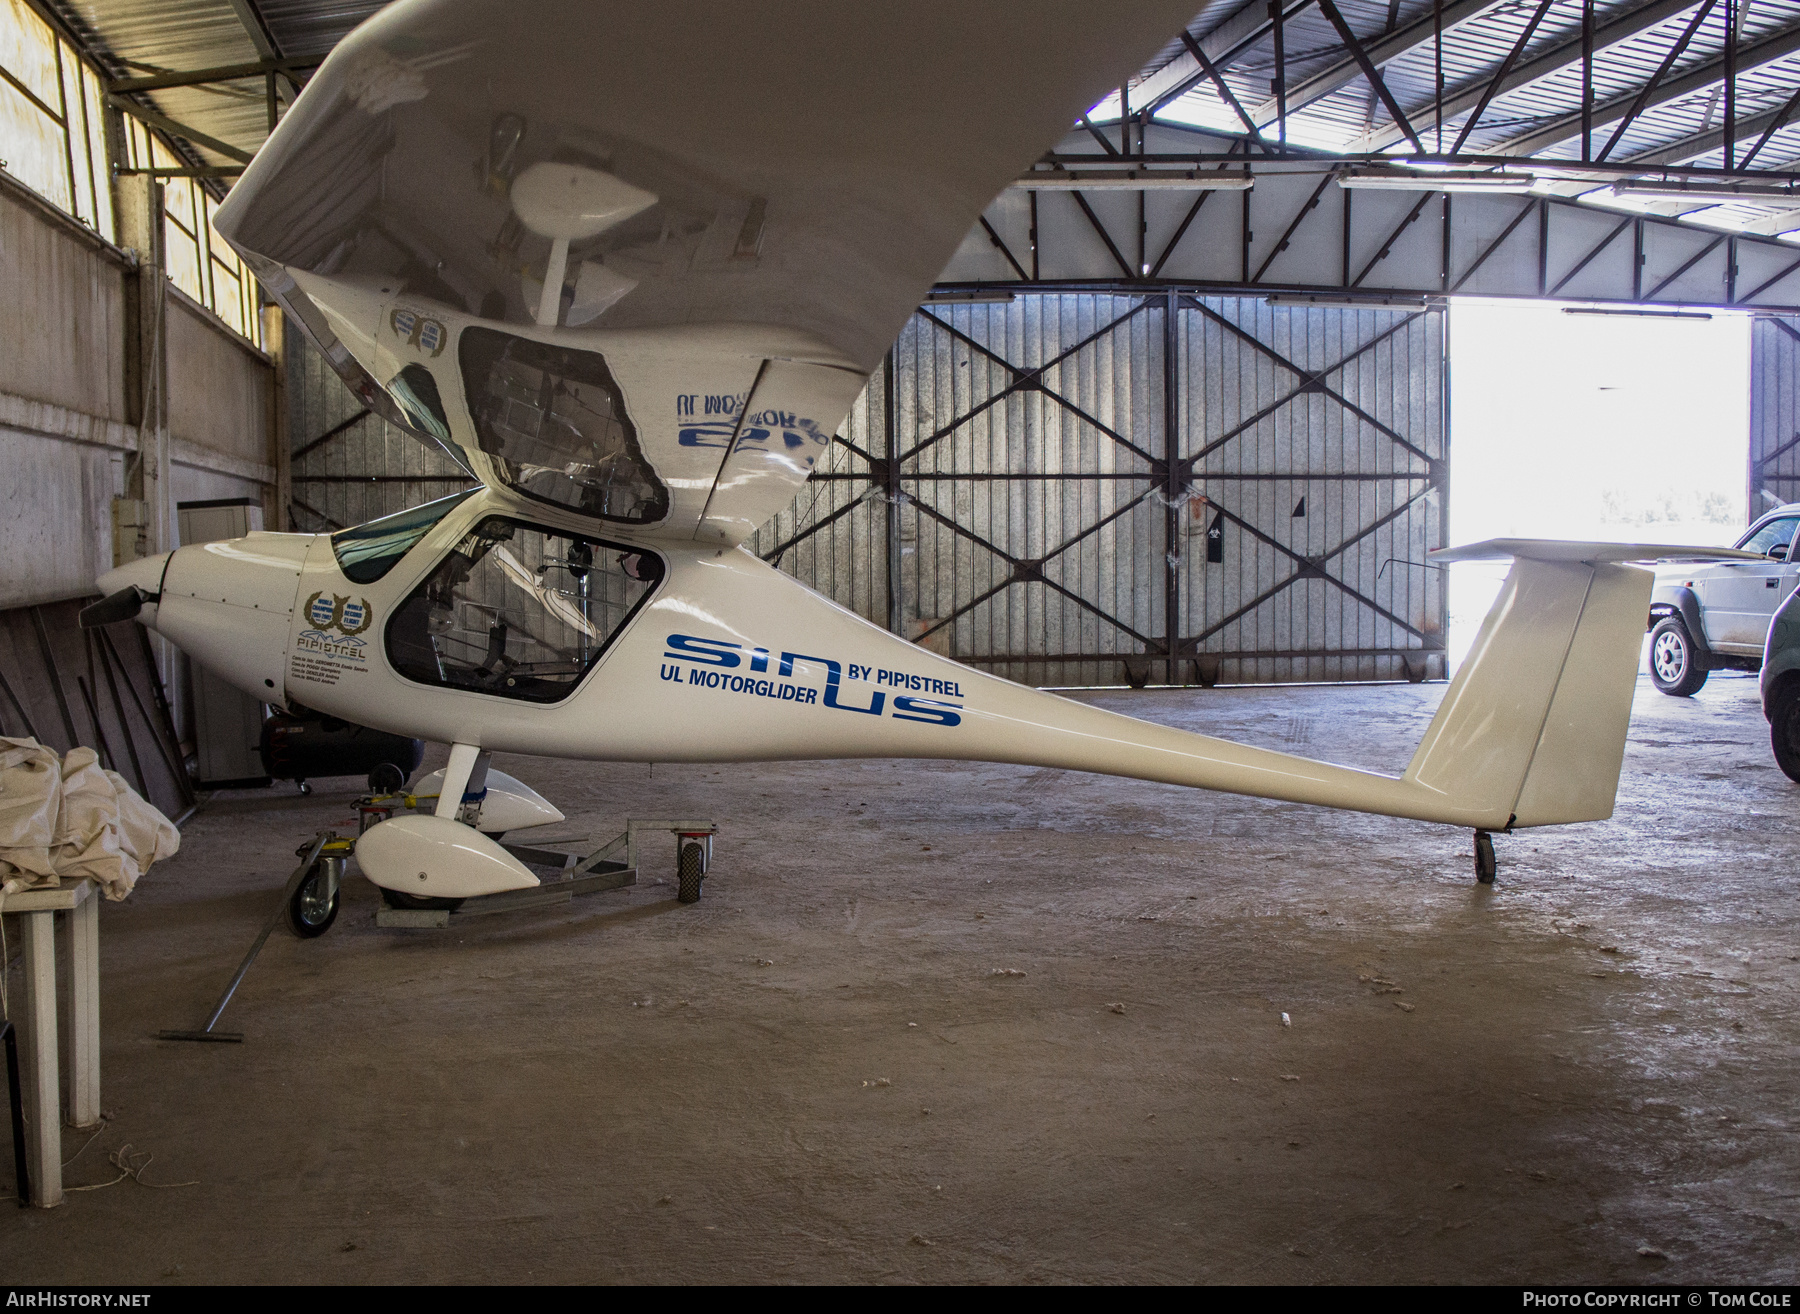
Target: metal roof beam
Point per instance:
(1642, 100)
(1380, 50)
(1369, 71)
(1500, 76)
(255, 28)
(201, 76)
(1698, 144)
(169, 125)
(1777, 45)
(1467, 96)
(1237, 34)
(1211, 71)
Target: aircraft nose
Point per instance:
(145, 572)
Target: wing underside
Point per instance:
(734, 207)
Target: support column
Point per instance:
(84, 1012)
(141, 229)
(150, 478)
(890, 405)
(43, 1094)
(278, 498)
(1173, 488)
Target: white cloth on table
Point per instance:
(70, 819)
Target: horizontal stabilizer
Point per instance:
(1564, 549)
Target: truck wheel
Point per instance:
(1784, 729)
(1675, 667)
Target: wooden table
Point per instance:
(36, 910)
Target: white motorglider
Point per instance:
(632, 267)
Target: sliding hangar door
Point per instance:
(1074, 489)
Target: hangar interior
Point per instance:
(1171, 433)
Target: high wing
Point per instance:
(639, 260)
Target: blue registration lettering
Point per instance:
(714, 652)
(908, 708)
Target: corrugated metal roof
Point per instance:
(1538, 112)
(135, 37)
(132, 38)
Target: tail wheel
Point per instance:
(1784, 729)
(1675, 668)
(690, 873)
(1485, 865)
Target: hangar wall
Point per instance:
(104, 361)
(1300, 230)
(348, 464)
(1774, 472)
(1048, 481)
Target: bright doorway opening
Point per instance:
(1609, 427)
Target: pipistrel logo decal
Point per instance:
(334, 646)
(417, 330)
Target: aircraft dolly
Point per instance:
(309, 901)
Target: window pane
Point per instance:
(367, 552)
(184, 252)
(519, 611)
(32, 147)
(557, 423)
(228, 301)
(28, 50)
(1776, 531)
(96, 136)
(81, 181)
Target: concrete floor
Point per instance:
(817, 1075)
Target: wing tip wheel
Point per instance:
(1485, 865)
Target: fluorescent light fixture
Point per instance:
(1187, 180)
(1635, 312)
(1708, 193)
(1340, 302)
(1448, 180)
(967, 298)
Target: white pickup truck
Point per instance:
(1715, 616)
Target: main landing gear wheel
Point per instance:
(690, 873)
(1675, 667)
(314, 905)
(1784, 729)
(1484, 857)
(396, 899)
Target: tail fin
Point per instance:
(1533, 726)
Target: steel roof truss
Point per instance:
(1668, 61)
(1500, 76)
(1376, 81)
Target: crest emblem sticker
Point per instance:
(420, 331)
(332, 645)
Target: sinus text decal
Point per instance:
(732, 668)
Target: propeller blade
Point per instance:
(121, 606)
